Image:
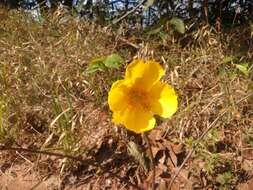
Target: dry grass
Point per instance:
(48, 103)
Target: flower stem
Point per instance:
(151, 157)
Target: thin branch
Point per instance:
(130, 43)
(194, 147)
(128, 13)
(5, 148)
(84, 161)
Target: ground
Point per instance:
(49, 103)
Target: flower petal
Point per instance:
(117, 95)
(164, 100)
(135, 120)
(144, 73)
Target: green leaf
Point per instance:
(101, 63)
(94, 68)
(232, 75)
(163, 35)
(96, 65)
(113, 61)
(243, 68)
(135, 150)
(155, 31)
(98, 60)
(228, 59)
(178, 25)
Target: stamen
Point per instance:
(139, 99)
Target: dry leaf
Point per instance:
(135, 151)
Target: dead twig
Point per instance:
(194, 147)
(128, 13)
(130, 43)
(88, 162)
(76, 158)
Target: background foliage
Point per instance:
(149, 12)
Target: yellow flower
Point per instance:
(135, 99)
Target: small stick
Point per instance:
(2, 148)
(151, 159)
(84, 161)
(128, 13)
(129, 43)
(194, 147)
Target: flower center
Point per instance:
(139, 99)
